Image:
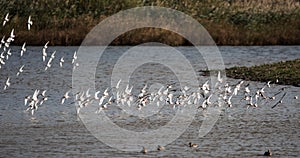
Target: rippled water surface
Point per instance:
(56, 131)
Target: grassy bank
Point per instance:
(287, 72)
(235, 22)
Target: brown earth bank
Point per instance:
(235, 22)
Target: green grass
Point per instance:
(286, 72)
(235, 22)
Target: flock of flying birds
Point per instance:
(38, 97)
(125, 97)
(166, 95)
(170, 96)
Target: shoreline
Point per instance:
(283, 72)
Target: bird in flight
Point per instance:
(20, 70)
(29, 22)
(6, 19)
(7, 83)
(23, 49)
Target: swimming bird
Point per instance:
(160, 148)
(29, 22)
(61, 61)
(7, 83)
(144, 150)
(23, 49)
(268, 153)
(192, 145)
(20, 70)
(66, 96)
(6, 19)
(296, 97)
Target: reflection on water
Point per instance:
(55, 130)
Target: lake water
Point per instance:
(55, 130)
